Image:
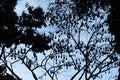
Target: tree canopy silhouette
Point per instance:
(8, 21)
(15, 30)
(114, 22)
(4, 75)
(82, 41)
(90, 57)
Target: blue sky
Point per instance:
(21, 4)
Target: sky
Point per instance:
(19, 68)
(21, 4)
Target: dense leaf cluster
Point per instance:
(17, 30)
(85, 7)
(8, 21)
(75, 21)
(4, 75)
(114, 22)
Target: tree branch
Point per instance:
(34, 75)
(18, 78)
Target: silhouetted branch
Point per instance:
(16, 76)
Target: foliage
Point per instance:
(82, 42)
(4, 75)
(15, 30)
(7, 24)
(29, 22)
(113, 20)
(89, 56)
(82, 9)
(21, 30)
(114, 23)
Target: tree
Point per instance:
(82, 42)
(7, 24)
(114, 23)
(90, 57)
(4, 75)
(16, 30)
(20, 30)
